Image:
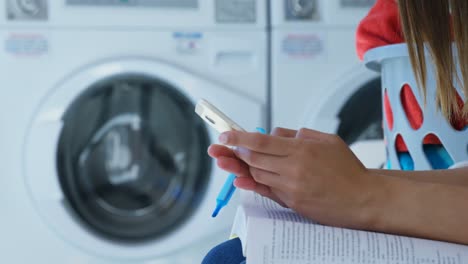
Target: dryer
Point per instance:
(103, 159)
(316, 78)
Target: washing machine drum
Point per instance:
(131, 158)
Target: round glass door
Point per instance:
(132, 158)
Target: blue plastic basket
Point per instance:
(395, 67)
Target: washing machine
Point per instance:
(102, 158)
(316, 78)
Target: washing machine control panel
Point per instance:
(27, 9)
(357, 3)
(141, 3)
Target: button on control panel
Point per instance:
(301, 10)
(27, 9)
(235, 11)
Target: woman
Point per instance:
(317, 175)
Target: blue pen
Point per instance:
(228, 188)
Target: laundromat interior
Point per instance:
(102, 156)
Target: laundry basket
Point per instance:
(412, 126)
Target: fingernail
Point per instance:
(236, 151)
(240, 151)
(223, 138)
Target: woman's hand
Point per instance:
(228, 161)
(314, 173)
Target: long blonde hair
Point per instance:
(438, 23)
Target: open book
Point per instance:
(271, 234)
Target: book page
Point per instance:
(252, 206)
(275, 241)
(276, 235)
(257, 205)
(239, 228)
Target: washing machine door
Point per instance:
(130, 157)
(115, 157)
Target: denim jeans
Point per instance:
(228, 252)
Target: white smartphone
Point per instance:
(213, 116)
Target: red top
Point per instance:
(382, 27)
